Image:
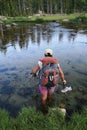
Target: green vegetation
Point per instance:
(78, 21)
(29, 7)
(47, 18)
(31, 119)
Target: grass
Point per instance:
(44, 18)
(31, 119)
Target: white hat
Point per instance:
(48, 51)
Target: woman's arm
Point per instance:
(36, 69)
(61, 75)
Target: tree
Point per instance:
(29, 7)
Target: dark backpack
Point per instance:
(49, 75)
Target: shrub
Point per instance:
(82, 19)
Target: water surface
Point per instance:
(20, 49)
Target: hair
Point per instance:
(48, 54)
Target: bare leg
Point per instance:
(49, 96)
(50, 100)
(44, 98)
(44, 107)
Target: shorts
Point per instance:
(45, 90)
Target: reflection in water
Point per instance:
(21, 47)
(60, 36)
(23, 34)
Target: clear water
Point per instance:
(20, 49)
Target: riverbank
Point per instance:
(76, 21)
(31, 119)
(45, 18)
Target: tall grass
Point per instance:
(6, 122)
(31, 119)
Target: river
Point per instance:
(21, 47)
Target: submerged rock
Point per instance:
(66, 20)
(61, 110)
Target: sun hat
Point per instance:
(48, 52)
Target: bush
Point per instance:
(82, 19)
(39, 20)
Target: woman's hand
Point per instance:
(64, 81)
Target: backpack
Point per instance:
(49, 73)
